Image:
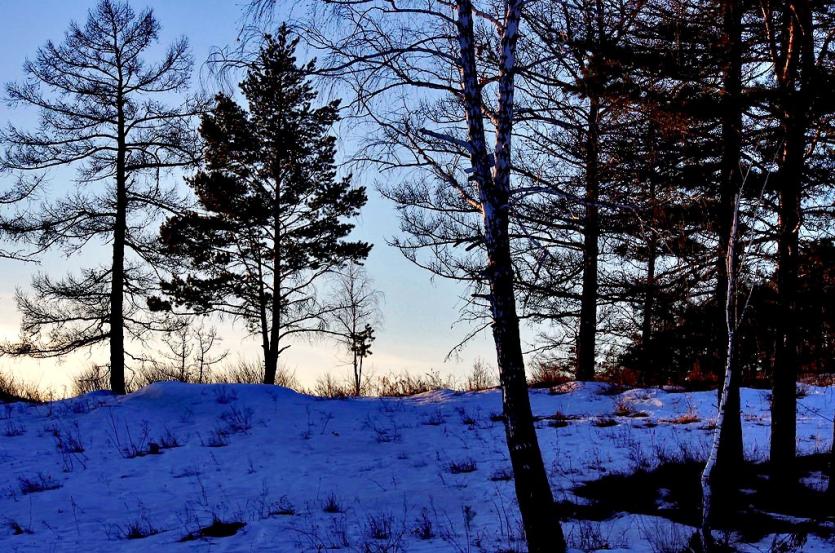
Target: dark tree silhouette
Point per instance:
(273, 215)
(102, 114)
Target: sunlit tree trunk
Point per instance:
(533, 492)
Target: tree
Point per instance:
(445, 59)
(354, 313)
(102, 112)
(797, 41)
(273, 216)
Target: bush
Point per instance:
(482, 377)
(547, 374)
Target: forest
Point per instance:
(634, 197)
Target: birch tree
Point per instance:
(429, 76)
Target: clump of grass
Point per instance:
(13, 390)
(501, 475)
(282, 507)
(40, 483)
(12, 429)
(687, 418)
(217, 437)
(604, 422)
(139, 529)
(423, 529)
(434, 419)
(379, 527)
(624, 408)
(18, 529)
(559, 419)
(332, 505)
(238, 421)
(225, 395)
(463, 466)
(168, 440)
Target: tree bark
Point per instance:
(533, 492)
(715, 477)
(730, 455)
(794, 70)
(830, 486)
(271, 358)
(591, 251)
(117, 282)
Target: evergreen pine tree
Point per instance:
(273, 216)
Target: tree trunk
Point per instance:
(794, 76)
(591, 231)
(117, 282)
(830, 486)
(649, 370)
(533, 492)
(715, 477)
(271, 360)
(730, 454)
(784, 394)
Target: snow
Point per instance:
(393, 466)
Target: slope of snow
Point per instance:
(419, 474)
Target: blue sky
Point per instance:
(419, 313)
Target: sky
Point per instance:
(419, 313)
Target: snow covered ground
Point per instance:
(427, 473)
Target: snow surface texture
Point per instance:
(426, 473)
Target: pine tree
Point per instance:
(273, 215)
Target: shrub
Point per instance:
(546, 374)
(481, 377)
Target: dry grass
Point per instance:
(14, 389)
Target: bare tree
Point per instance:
(354, 315)
(187, 354)
(102, 114)
(428, 75)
